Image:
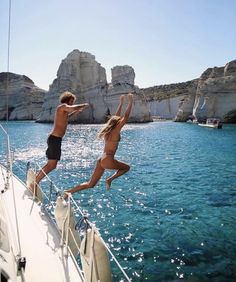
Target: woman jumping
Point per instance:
(111, 135)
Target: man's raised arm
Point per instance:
(72, 109)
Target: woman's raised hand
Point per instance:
(122, 98)
(130, 97)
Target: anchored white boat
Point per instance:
(30, 248)
(213, 123)
(39, 238)
(39, 245)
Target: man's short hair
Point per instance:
(66, 97)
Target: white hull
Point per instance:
(39, 239)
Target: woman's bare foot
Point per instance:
(66, 194)
(108, 184)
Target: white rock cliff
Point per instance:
(216, 94)
(82, 75)
(19, 97)
(212, 95)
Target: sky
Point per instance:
(165, 41)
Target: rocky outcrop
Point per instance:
(140, 111)
(81, 74)
(185, 108)
(212, 95)
(20, 99)
(122, 75)
(215, 96)
(166, 108)
(164, 101)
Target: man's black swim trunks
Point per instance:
(54, 147)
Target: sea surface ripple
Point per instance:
(173, 215)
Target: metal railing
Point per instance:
(76, 208)
(50, 199)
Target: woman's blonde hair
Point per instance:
(109, 126)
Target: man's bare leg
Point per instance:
(50, 165)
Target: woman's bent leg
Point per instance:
(97, 174)
(121, 167)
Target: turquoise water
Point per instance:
(173, 215)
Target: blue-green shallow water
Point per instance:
(173, 215)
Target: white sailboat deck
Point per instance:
(39, 237)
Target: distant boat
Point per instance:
(213, 123)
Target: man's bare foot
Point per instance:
(108, 184)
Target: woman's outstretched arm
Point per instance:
(118, 111)
(128, 110)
